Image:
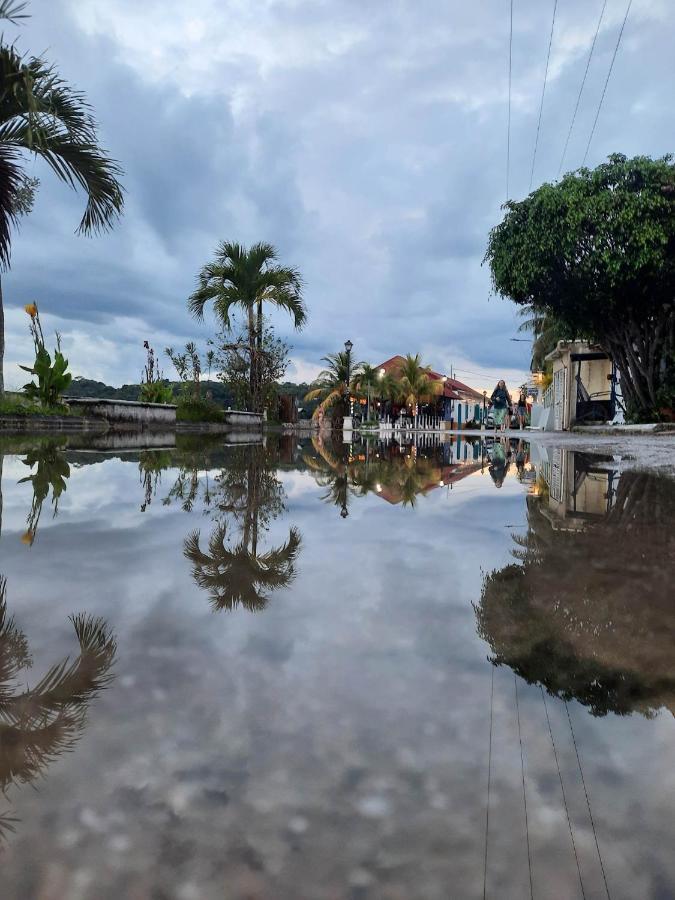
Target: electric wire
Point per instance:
(508, 127)
(604, 90)
(588, 801)
(581, 89)
(543, 93)
(487, 805)
(562, 788)
(522, 772)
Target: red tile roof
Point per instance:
(455, 390)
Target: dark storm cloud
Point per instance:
(367, 142)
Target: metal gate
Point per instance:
(559, 398)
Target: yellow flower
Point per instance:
(31, 309)
(27, 537)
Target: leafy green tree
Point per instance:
(247, 280)
(597, 252)
(40, 114)
(331, 386)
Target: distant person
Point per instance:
(500, 401)
(521, 409)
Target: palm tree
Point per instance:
(246, 279)
(238, 575)
(42, 115)
(366, 381)
(546, 332)
(415, 382)
(38, 724)
(331, 386)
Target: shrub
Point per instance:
(191, 410)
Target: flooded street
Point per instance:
(314, 671)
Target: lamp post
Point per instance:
(484, 422)
(347, 423)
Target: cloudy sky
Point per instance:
(366, 140)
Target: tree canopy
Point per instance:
(597, 252)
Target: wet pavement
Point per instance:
(313, 670)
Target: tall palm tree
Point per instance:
(389, 388)
(415, 382)
(366, 382)
(238, 575)
(331, 386)
(246, 279)
(40, 114)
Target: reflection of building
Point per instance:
(580, 490)
(456, 404)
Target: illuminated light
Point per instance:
(441, 483)
(382, 373)
(378, 487)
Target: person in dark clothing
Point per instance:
(500, 401)
(521, 409)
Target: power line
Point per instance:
(508, 128)
(543, 92)
(522, 772)
(487, 805)
(588, 802)
(604, 90)
(562, 788)
(581, 89)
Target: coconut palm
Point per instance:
(41, 115)
(38, 724)
(366, 382)
(246, 279)
(546, 331)
(415, 382)
(331, 387)
(237, 575)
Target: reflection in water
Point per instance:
(39, 724)
(247, 496)
(396, 472)
(51, 473)
(241, 575)
(562, 617)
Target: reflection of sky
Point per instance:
(333, 745)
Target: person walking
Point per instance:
(500, 401)
(521, 409)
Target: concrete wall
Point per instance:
(128, 413)
(240, 419)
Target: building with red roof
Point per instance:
(456, 404)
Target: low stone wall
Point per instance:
(126, 413)
(41, 424)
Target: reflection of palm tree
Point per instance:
(38, 724)
(51, 473)
(582, 620)
(240, 575)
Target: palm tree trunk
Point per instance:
(2, 344)
(259, 342)
(252, 360)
